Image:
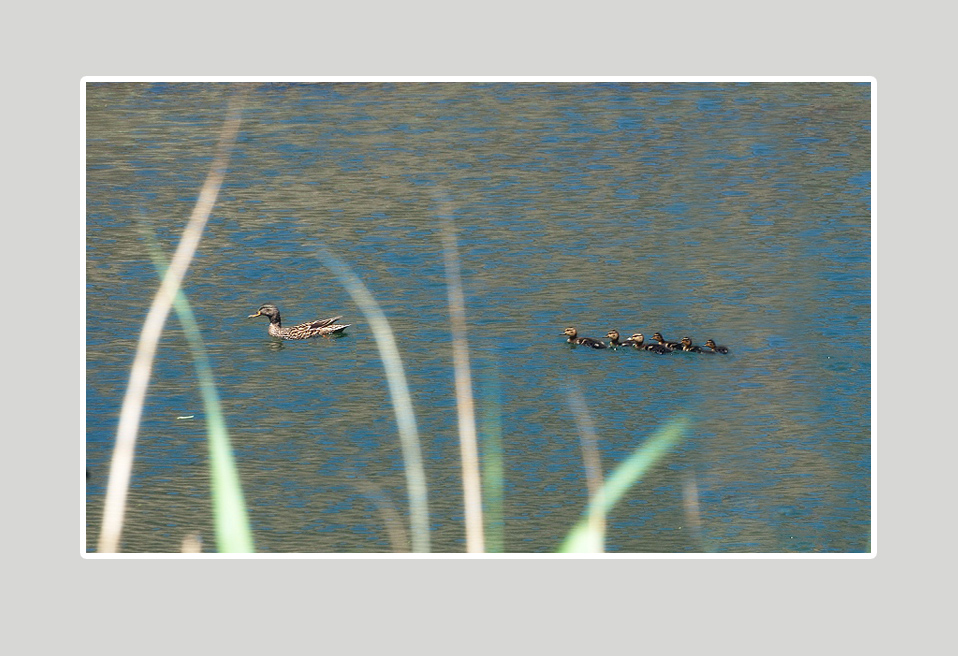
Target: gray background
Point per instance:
(464, 606)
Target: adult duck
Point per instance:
(299, 331)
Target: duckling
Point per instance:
(710, 344)
(637, 341)
(614, 342)
(687, 345)
(664, 342)
(301, 331)
(585, 341)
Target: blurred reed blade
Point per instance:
(392, 520)
(593, 466)
(192, 543)
(465, 405)
(398, 391)
(233, 534)
(121, 465)
(582, 538)
(693, 513)
(490, 431)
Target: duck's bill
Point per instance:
(254, 315)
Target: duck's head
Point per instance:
(613, 334)
(570, 331)
(638, 338)
(710, 343)
(658, 337)
(266, 310)
(686, 341)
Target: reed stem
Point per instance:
(465, 404)
(399, 393)
(121, 465)
(230, 518)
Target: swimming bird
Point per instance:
(300, 331)
(585, 341)
(637, 341)
(613, 336)
(687, 345)
(664, 342)
(715, 349)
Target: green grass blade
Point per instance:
(583, 538)
(230, 519)
(233, 534)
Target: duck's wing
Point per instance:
(335, 328)
(322, 323)
(311, 329)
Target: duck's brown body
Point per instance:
(300, 331)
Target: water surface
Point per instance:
(738, 212)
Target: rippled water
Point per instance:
(738, 212)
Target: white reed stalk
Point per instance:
(121, 465)
(468, 444)
(398, 392)
(593, 467)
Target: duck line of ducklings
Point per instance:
(637, 341)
